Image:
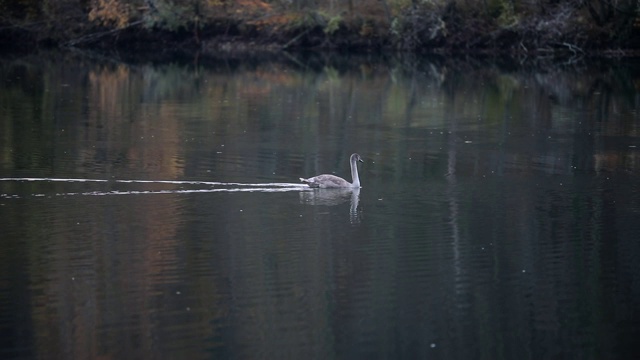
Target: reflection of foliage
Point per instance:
(121, 102)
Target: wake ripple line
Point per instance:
(175, 182)
(152, 192)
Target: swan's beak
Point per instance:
(361, 160)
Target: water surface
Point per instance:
(152, 210)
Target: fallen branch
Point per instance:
(285, 46)
(95, 36)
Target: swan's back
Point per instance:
(326, 181)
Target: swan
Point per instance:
(332, 181)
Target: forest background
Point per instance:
(468, 26)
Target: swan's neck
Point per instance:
(354, 173)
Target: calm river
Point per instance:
(152, 210)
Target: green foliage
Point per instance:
(168, 15)
(506, 14)
(333, 25)
(418, 26)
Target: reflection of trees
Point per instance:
(555, 220)
(88, 120)
(323, 108)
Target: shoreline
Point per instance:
(442, 27)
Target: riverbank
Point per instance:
(438, 26)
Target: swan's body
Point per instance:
(332, 181)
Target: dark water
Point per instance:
(499, 216)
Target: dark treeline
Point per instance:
(506, 26)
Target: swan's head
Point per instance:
(355, 157)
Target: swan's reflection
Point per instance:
(331, 197)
